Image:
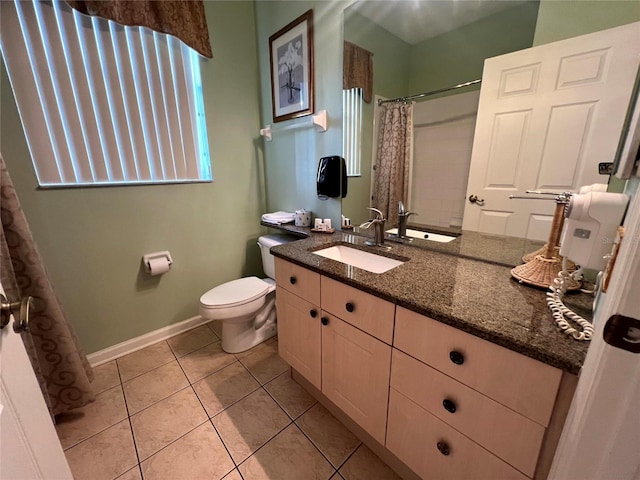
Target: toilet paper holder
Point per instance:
(146, 259)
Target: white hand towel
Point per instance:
(277, 218)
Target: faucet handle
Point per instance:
(406, 214)
(379, 214)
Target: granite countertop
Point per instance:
(498, 249)
(475, 296)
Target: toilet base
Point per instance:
(240, 336)
(244, 340)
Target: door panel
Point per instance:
(355, 374)
(299, 334)
(569, 128)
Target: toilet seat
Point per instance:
(235, 293)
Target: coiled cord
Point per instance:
(561, 314)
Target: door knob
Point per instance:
(476, 200)
(20, 310)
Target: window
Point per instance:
(102, 103)
(352, 129)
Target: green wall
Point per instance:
(291, 158)
(92, 239)
(559, 19)
(458, 56)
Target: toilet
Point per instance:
(246, 306)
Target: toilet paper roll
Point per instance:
(158, 266)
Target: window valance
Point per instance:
(357, 71)
(184, 19)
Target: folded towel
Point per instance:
(276, 218)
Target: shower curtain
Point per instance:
(61, 368)
(393, 159)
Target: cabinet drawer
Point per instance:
(298, 280)
(299, 335)
(507, 434)
(419, 439)
(367, 312)
(521, 383)
(355, 374)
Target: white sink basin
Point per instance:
(358, 258)
(434, 237)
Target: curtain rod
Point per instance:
(427, 94)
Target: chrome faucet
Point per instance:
(403, 218)
(378, 224)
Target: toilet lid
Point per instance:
(235, 292)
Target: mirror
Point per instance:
(418, 47)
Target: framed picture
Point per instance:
(291, 50)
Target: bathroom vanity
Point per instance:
(444, 366)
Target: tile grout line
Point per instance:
(210, 419)
(135, 445)
(350, 456)
(99, 432)
(235, 465)
(266, 443)
(122, 382)
(294, 421)
(276, 400)
(317, 447)
(133, 437)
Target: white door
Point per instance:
(601, 436)
(547, 116)
(29, 445)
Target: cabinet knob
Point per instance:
(456, 357)
(324, 320)
(313, 313)
(350, 307)
(292, 280)
(443, 448)
(449, 405)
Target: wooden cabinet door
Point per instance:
(355, 374)
(299, 335)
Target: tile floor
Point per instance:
(185, 409)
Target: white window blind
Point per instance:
(352, 129)
(101, 103)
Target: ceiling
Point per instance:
(414, 21)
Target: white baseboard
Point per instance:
(138, 343)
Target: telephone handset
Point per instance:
(591, 220)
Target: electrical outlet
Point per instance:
(605, 168)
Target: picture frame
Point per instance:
(292, 81)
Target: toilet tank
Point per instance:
(265, 243)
